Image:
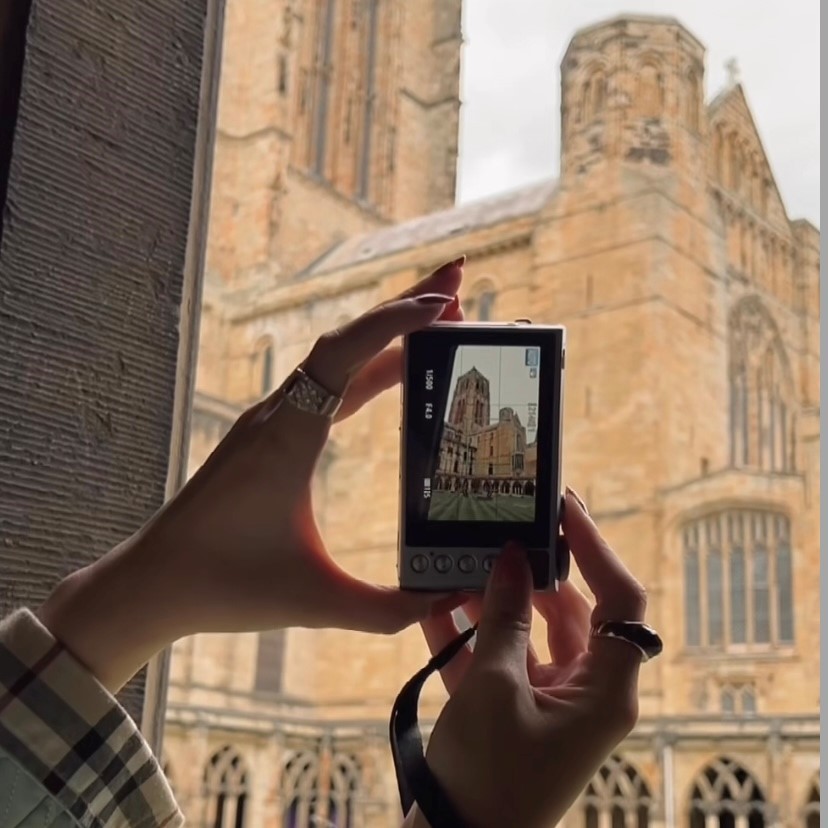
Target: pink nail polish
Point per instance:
(434, 299)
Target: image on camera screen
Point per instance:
(486, 464)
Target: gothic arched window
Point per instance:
(738, 580)
(650, 91)
(311, 800)
(617, 796)
(480, 304)
(226, 789)
(693, 101)
(593, 95)
(762, 397)
(343, 792)
(723, 792)
(810, 815)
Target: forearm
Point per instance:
(114, 615)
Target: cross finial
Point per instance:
(732, 68)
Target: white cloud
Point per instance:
(511, 84)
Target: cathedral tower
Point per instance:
(632, 90)
(470, 402)
(331, 122)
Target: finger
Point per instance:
(439, 631)
(443, 280)
(379, 374)
(473, 610)
(503, 634)
(384, 371)
(338, 355)
(364, 607)
(567, 614)
(619, 596)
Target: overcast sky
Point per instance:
(511, 83)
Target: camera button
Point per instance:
(467, 564)
(419, 563)
(442, 564)
(488, 562)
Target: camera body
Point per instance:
(482, 416)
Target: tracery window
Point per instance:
(762, 400)
(725, 795)
(226, 789)
(322, 83)
(617, 796)
(738, 580)
(315, 796)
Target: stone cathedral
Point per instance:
(692, 400)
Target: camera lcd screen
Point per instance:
(487, 454)
(482, 430)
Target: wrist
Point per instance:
(113, 615)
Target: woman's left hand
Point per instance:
(238, 547)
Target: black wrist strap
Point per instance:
(416, 783)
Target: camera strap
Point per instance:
(416, 783)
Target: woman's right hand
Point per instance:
(518, 741)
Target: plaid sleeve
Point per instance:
(68, 733)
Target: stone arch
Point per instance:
(593, 93)
(226, 789)
(617, 795)
(517, 488)
(724, 794)
(762, 428)
(529, 490)
(300, 789)
(650, 92)
(810, 810)
(346, 775)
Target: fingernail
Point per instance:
(578, 499)
(507, 566)
(459, 262)
(434, 299)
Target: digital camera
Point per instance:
(482, 407)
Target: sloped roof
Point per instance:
(434, 227)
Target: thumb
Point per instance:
(503, 633)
